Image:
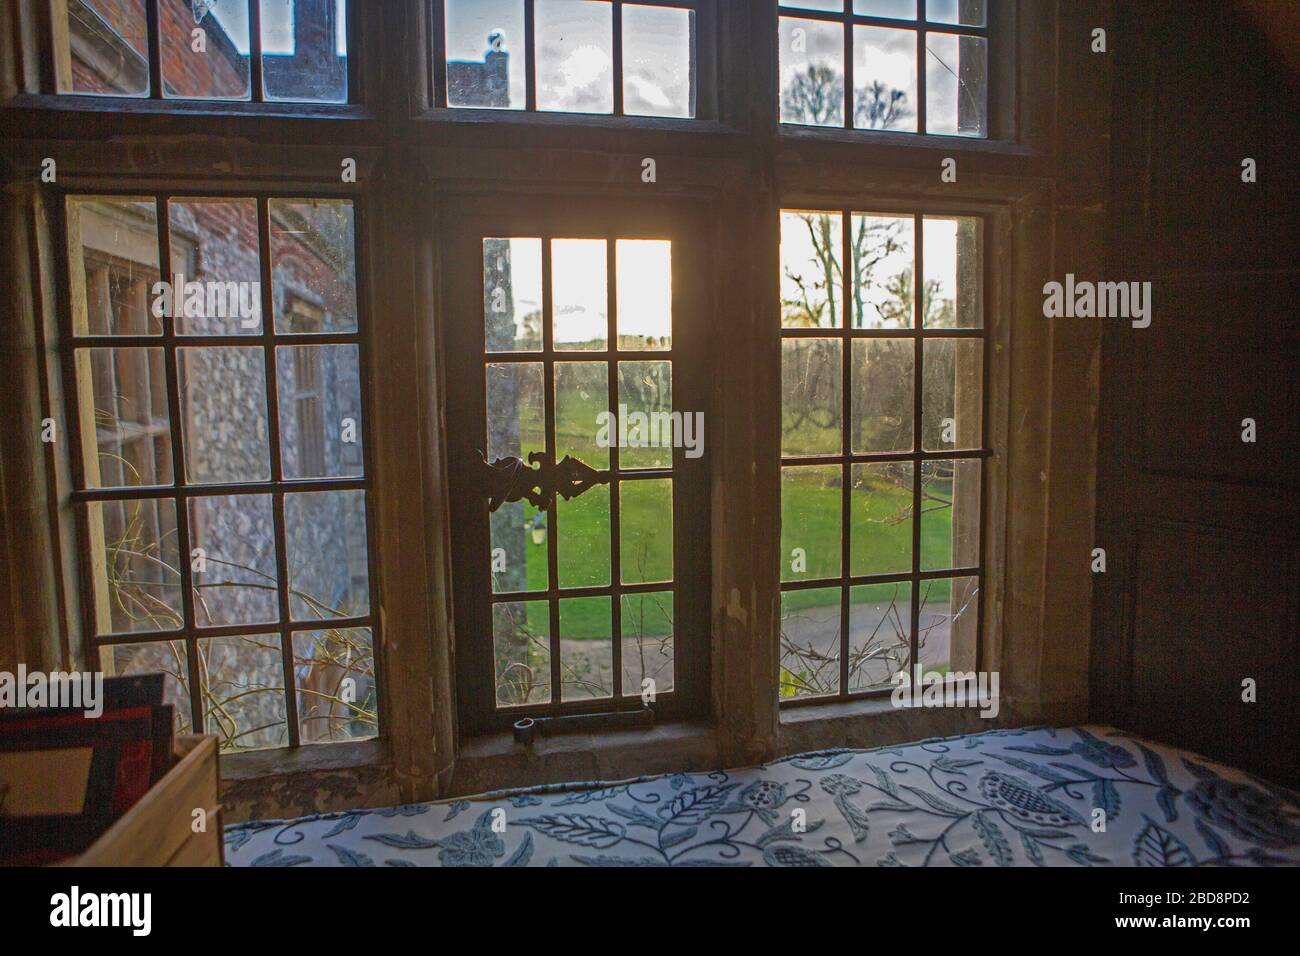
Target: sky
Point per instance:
(277, 23)
(643, 286)
(939, 234)
(882, 54)
(575, 53)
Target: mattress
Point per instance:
(1039, 796)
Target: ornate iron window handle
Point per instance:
(510, 479)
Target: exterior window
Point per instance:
(569, 56)
(882, 447)
(258, 50)
(578, 357)
(221, 494)
(915, 66)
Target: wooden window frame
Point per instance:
(846, 334)
(477, 708)
(55, 80)
(180, 490)
(704, 67)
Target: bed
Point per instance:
(1076, 796)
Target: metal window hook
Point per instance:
(538, 481)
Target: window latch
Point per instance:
(538, 480)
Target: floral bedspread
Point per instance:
(1078, 796)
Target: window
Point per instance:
(258, 50)
(578, 345)
(856, 67)
(882, 447)
(222, 500)
(570, 56)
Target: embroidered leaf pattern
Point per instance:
(579, 828)
(994, 842)
(859, 808)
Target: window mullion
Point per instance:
(278, 495)
(175, 414)
(255, 50)
(918, 469)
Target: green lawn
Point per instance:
(881, 535)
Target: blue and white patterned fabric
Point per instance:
(1036, 796)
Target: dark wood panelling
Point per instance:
(1211, 610)
(1223, 350)
(1201, 528)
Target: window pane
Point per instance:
(516, 412)
(897, 9)
(884, 261)
(948, 624)
(320, 410)
(883, 398)
(812, 72)
(811, 507)
(159, 657)
(647, 628)
(223, 414)
(966, 12)
(305, 50)
(232, 560)
(952, 403)
(954, 271)
(205, 49)
(810, 397)
(583, 546)
(880, 624)
(584, 554)
(512, 295)
(658, 72)
(880, 519)
(486, 65)
(956, 85)
(242, 682)
(950, 514)
(522, 652)
(644, 284)
(313, 260)
(646, 530)
(884, 79)
(586, 649)
(134, 565)
(107, 48)
(581, 407)
(644, 423)
(810, 643)
(812, 285)
(334, 671)
(579, 294)
(325, 541)
(835, 6)
(575, 41)
(124, 413)
(214, 249)
(113, 266)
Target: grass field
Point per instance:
(880, 528)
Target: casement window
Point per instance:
(572, 56)
(251, 50)
(577, 338)
(882, 448)
(915, 66)
(213, 355)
